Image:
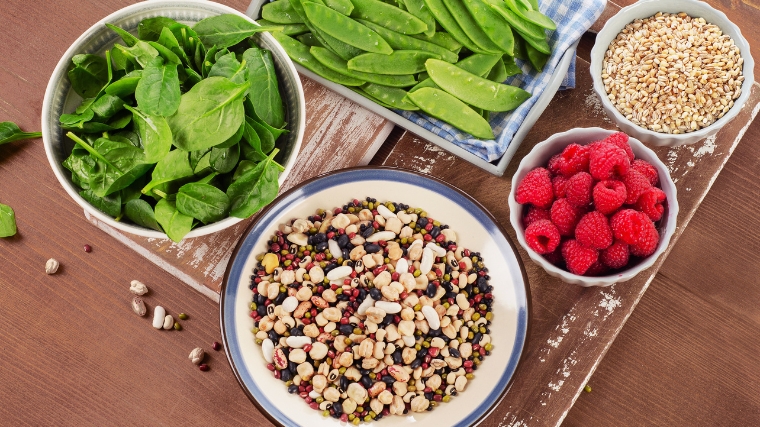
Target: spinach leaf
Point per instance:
(150, 29)
(228, 66)
(141, 213)
(209, 61)
(119, 121)
(250, 112)
(132, 192)
(208, 178)
(166, 53)
(88, 75)
(76, 120)
(126, 85)
(123, 59)
(243, 167)
(253, 150)
(193, 78)
(116, 165)
(10, 132)
(266, 137)
(261, 73)
(254, 189)
(175, 224)
(203, 202)
(196, 156)
(209, 114)
(155, 135)
(80, 164)
(128, 136)
(125, 35)
(199, 55)
(110, 205)
(173, 166)
(234, 139)
(158, 92)
(227, 30)
(7, 221)
(186, 37)
(142, 52)
(167, 39)
(107, 106)
(223, 160)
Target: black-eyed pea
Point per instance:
(409, 396)
(451, 378)
(419, 404)
(299, 274)
(417, 373)
(325, 405)
(331, 394)
(397, 406)
(449, 389)
(471, 278)
(304, 262)
(333, 375)
(280, 327)
(348, 406)
(485, 339)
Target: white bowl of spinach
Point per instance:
(173, 119)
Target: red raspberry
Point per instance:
(651, 203)
(594, 231)
(609, 195)
(616, 256)
(578, 257)
(647, 244)
(565, 216)
(534, 214)
(620, 139)
(647, 170)
(607, 161)
(559, 183)
(536, 189)
(597, 269)
(578, 190)
(574, 159)
(630, 226)
(554, 257)
(553, 164)
(542, 236)
(635, 185)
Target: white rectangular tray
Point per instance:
(497, 167)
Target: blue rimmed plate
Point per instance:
(476, 229)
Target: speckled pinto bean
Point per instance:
(381, 333)
(400, 62)
(388, 16)
(345, 29)
(446, 107)
(475, 90)
(337, 64)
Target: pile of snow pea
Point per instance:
(447, 58)
(178, 126)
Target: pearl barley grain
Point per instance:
(672, 73)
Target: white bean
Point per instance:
(158, 317)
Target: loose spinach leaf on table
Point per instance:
(227, 30)
(141, 213)
(175, 224)
(10, 132)
(264, 90)
(7, 221)
(158, 92)
(255, 189)
(110, 205)
(155, 135)
(203, 202)
(150, 29)
(172, 167)
(88, 74)
(209, 114)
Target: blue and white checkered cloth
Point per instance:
(573, 18)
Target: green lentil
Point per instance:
(306, 276)
(253, 307)
(325, 413)
(177, 326)
(287, 263)
(436, 224)
(470, 335)
(418, 307)
(338, 291)
(342, 370)
(489, 316)
(288, 383)
(446, 398)
(411, 388)
(307, 315)
(475, 316)
(357, 331)
(359, 409)
(426, 344)
(587, 389)
(469, 376)
(417, 273)
(356, 421)
(320, 399)
(351, 417)
(348, 341)
(488, 347)
(258, 341)
(412, 224)
(183, 316)
(335, 332)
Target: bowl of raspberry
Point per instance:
(593, 206)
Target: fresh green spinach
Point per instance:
(175, 224)
(228, 30)
(7, 221)
(88, 75)
(110, 205)
(203, 202)
(10, 132)
(141, 213)
(155, 135)
(261, 73)
(158, 92)
(255, 189)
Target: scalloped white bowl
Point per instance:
(540, 155)
(645, 9)
(59, 98)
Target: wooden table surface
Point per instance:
(75, 354)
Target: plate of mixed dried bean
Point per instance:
(370, 294)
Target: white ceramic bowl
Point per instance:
(540, 155)
(475, 229)
(60, 99)
(645, 9)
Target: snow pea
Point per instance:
(537, 58)
(343, 50)
(421, 11)
(470, 27)
(474, 89)
(289, 29)
(392, 96)
(498, 73)
(447, 21)
(520, 25)
(442, 39)
(280, 12)
(399, 62)
(343, 6)
(446, 107)
(390, 17)
(492, 24)
(299, 53)
(345, 29)
(540, 45)
(510, 66)
(363, 93)
(477, 64)
(336, 63)
(404, 42)
(525, 11)
(309, 39)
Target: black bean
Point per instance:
(329, 267)
(345, 253)
(422, 352)
(422, 222)
(389, 380)
(435, 231)
(397, 358)
(362, 294)
(260, 300)
(372, 248)
(482, 284)
(321, 247)
(343, 297)
(368, 231)
(273, 336)
(280, 298)
(366, 381)
(293, 366)
(416, 363)
(468, 289)
(387, 320)
(286, 375)
(451, 294)
(296, 332)
(293, 389)
(454, 352)
(364, 371)
(346, 329)
(431, 290)
(261, 310)
(434, 332)
(376, 294)
(338, 410)
(343, 383)
(343, 240)
(429, 396)
(476, 338)
(320, 238)
(448, 286)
